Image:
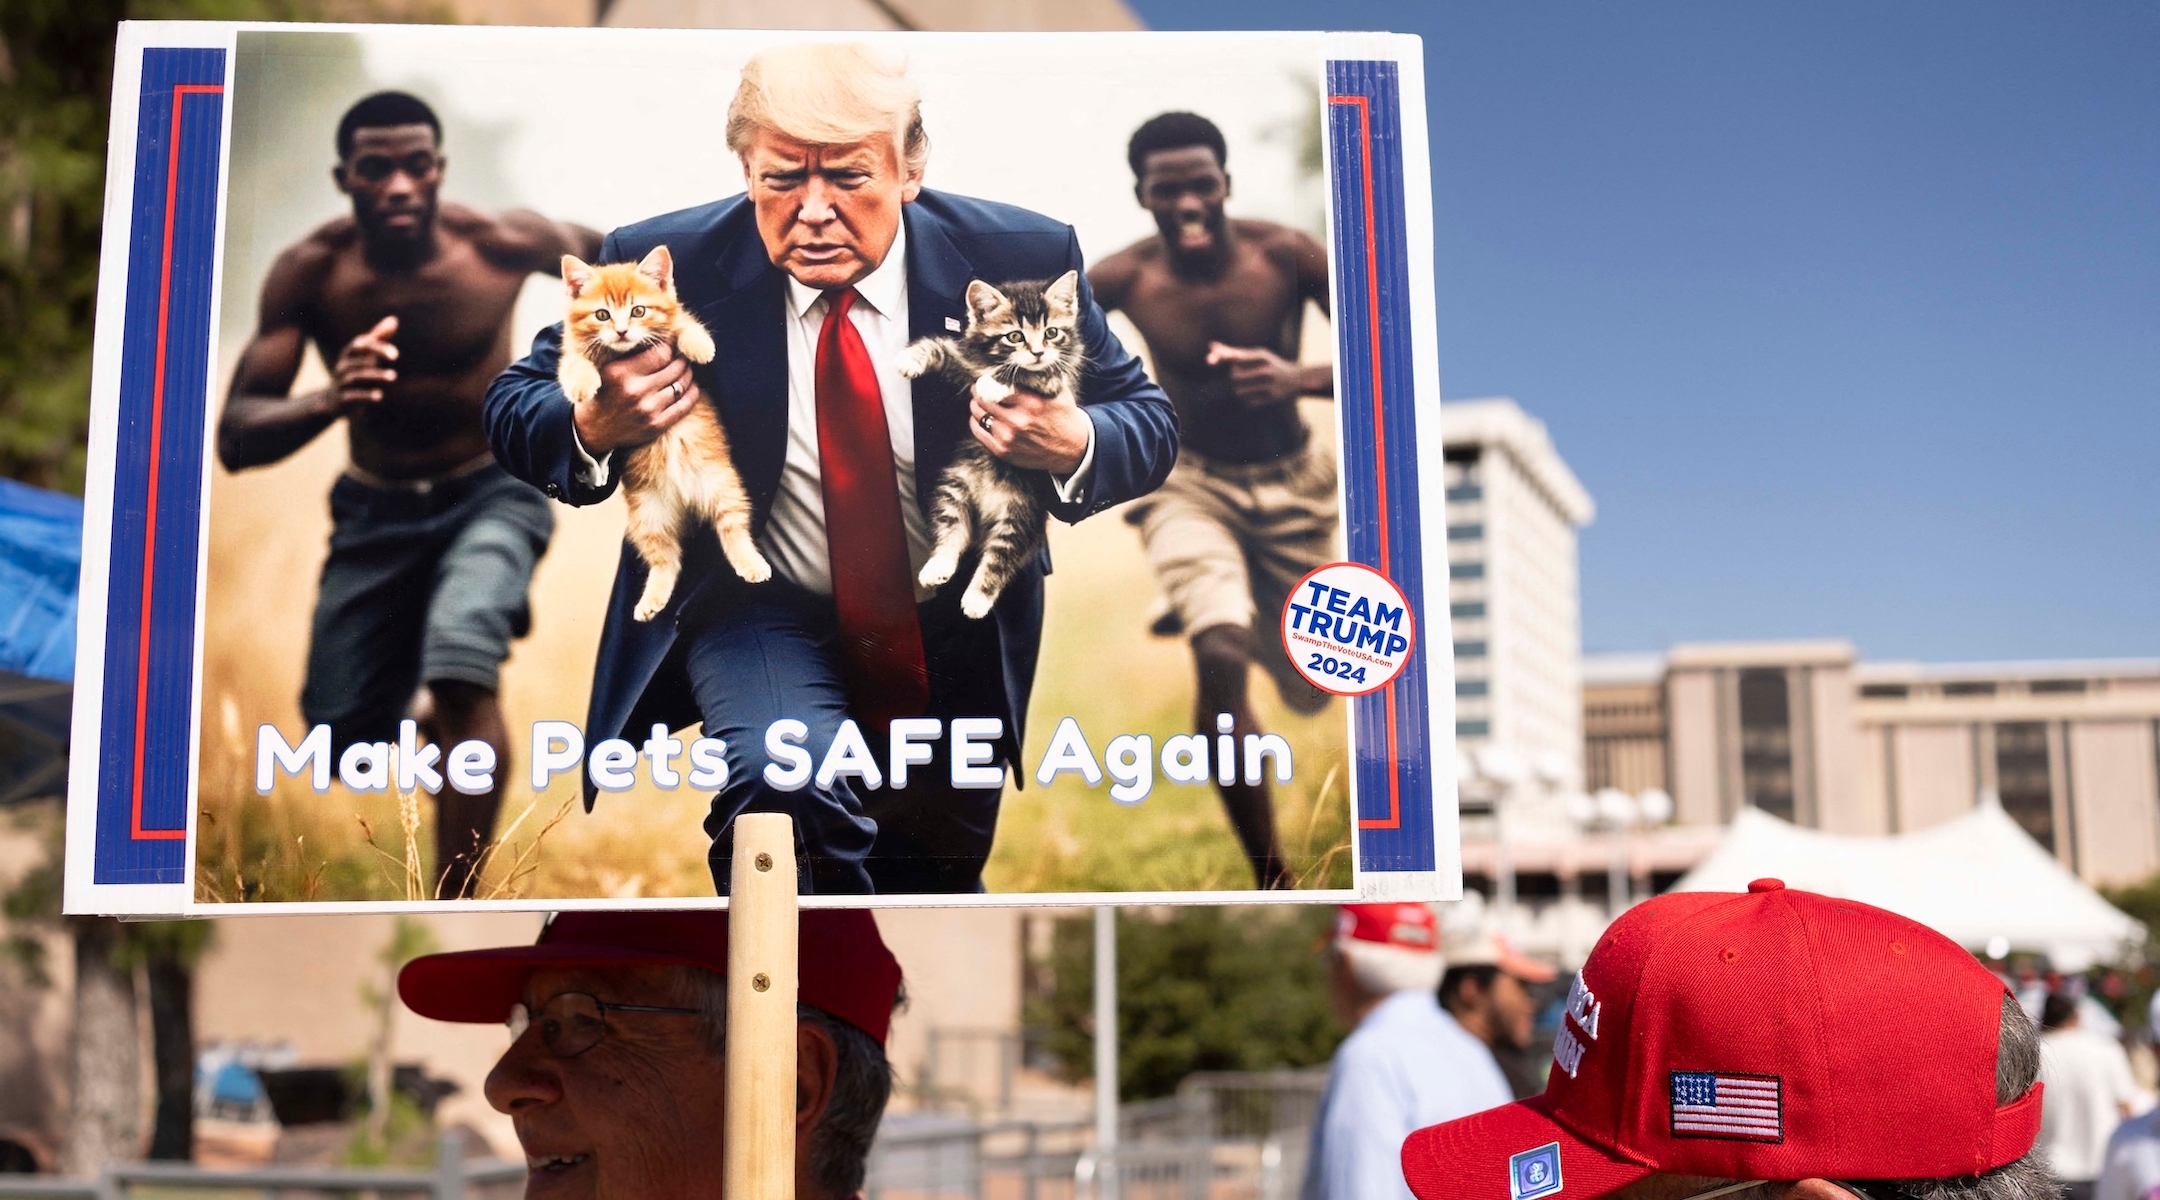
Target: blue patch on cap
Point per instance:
(1534, 1173)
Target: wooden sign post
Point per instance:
(759, 1163)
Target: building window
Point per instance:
(2021, 778)
(1468, 608)
(1473, 729)
(1466, 492)
(1466, 570)
(1968, 689)
(1766, 742)
(1884, 691)
(2056, 687)
(1537, 885)
(1469, 649)
(1473, 687)
(1465, 533)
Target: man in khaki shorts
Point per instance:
(1250, 508)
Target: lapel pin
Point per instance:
(953, 323)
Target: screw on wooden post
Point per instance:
(759, 1162)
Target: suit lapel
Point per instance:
(748, 374)
(937, 276)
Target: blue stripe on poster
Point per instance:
(1393, 737)
(143, 744)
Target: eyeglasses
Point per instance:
(377, 167)
(1726, 1190)
(572, 1022)
(1874, 1190)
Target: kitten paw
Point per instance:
(742, 554)
(580, 380)
(915, 359)
(659, 586)
(753, 567)
(992, 390)
(977, 604)
(695, 344)
(939, 569)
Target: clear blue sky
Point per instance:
(1848, 314)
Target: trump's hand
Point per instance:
(1036, 433)
(640, 396)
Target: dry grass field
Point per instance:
(267, 533)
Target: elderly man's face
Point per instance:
(828, 214)
(636, 1117)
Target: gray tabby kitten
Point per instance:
(1020, 337)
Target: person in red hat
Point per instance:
(1405, 1064)
(1772, 1045)
(1487, 990)
(614, 1074)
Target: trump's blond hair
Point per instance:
(829, 94)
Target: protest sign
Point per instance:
(361, 627)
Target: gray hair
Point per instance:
(2017, 1065)
(829, 94)
(862, 1083)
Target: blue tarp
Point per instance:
(40, 560)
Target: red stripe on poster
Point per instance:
(157, 428)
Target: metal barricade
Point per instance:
(452, 1179)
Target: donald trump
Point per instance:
(812, 282)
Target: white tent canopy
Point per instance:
(1974, 879)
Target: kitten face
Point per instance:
(619, 308)
(1026, 325)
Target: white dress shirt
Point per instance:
(1406, 1066)
(793, 539)
(2088, 1086)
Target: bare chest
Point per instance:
(453, 312)
(1253, 303)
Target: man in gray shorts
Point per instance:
(1250, 508)
(432, 545)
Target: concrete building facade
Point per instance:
(1807, 732)
(1514, 595)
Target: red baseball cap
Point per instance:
(1404, 926)
(1774, 1035)
(842, 965)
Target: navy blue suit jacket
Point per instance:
(723, 274)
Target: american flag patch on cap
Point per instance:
(1720, 1104)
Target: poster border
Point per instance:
(1434, 841)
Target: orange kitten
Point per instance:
(685, 474)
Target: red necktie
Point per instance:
(873, 593)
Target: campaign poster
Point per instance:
(518, 452)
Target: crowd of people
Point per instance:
(1767, 1045)
(1442, 1012)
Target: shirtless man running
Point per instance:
(432, 545)
(1250, 507)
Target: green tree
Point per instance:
(1203, 989)
(2128, 985)
(56, 60)
(104, 1071)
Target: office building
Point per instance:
(1514, 596)
(1805, 731)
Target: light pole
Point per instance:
(1616, 810)
(1500, 767)
(1106, 1054)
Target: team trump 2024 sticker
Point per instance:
(1348, 629)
